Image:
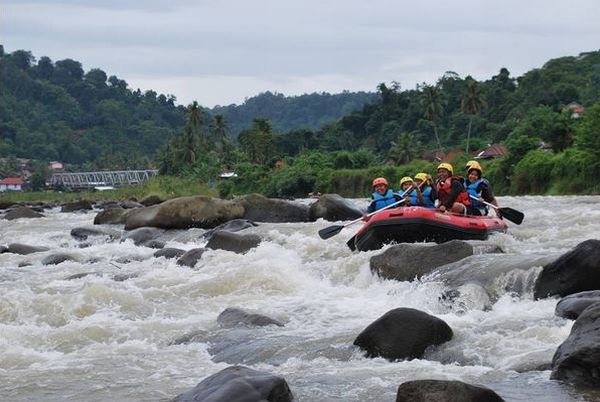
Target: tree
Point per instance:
(433, 103)
(405, 148)
(258, 141)
(472, 103)
(219, 133)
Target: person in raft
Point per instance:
(411, 192)
(425, 183)
(451, 192)
(478, 187)
(382, 197)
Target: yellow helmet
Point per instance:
(405, 179)
(469, 163)
(474, 165)
(446, 166)
(421, 176)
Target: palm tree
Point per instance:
(433, 103)
(406, 147)
(218, 132)
(472, 103)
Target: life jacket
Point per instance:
(412, 196)
(444, 189)
(427, 201)
(472, 190)
(383, 200)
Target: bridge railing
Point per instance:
(81, 180)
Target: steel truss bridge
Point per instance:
(83, 180)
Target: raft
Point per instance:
(418, 224)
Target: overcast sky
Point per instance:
(220, 52)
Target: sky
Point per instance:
(221, 52)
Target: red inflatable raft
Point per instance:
(418, 224)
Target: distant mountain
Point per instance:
(287, 113)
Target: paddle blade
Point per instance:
(330, 231)
(512, 215)
(350, 243)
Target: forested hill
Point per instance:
(287, 113)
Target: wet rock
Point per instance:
(192, 337)
(55, 259)
(7, 204)
(232, 226)
(81, 205)
(3, 249)
(151, 199)
(142, 235)
(191, 257)
(235, 317)
(333, 207)
(82, 233)
(233, 242)
(577, 359)
(262, 209)
(154, 244)
(185, 212)
(169, 253)
(126, 259)
(403, 333)
(21, 212)
(575, 271)
(111, 216)
(572, 306)
(444, 391)
(81, 275)
(406, 262)
(130, 204)
(239, 384)
(24, 249)
(124, 277)
(25, 264)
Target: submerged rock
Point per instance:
(239, 384)
(444, 391)
(142, 235)
(233, 242)
(169, 253)
(191, 257)
(58, 258)
(24, 249)
(234, 317)
(191, 337)
(232, 226)
(82, 233)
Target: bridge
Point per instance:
(83, 180)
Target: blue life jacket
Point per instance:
(414, 200)
(383, 200)
(427, 201)
(472, 190)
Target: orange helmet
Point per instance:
(380, 180)
(446, 166)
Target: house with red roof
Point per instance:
(11, 184)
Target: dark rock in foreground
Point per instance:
(233, 242)
(239, 384)
(333, 207)
(573, 305)
(444, 391)
(576, 271)
(406, 262)
(577, 359)
(403, 333)
(234, 317)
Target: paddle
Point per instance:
(331, 231)
(511, 214)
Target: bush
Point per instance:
(532, 173)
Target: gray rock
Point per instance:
(235, 317)
(151, 199)
(232, 226)
(126, 259)
(576, 271)
(333, 207)
(81, 205)
(21, 212)
(185, 212)
(154, 244)
(142, 235)
(233, 242)
(191, 257)
(82, 233)
(406, 262)
(577, 359)
(573, 305)
(444, 391)
(169, 253)
(192, 337)
(403, 333)
(58, 258)
(24, 249)
(81, 275)
(261, 209)
(111, 216)
(124, 277)
(3, 249)
(239, 384)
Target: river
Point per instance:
(97, 339)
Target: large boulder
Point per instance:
(25, 249)
(235, 242)
(185, 212)
(115, 215)
(444, 391)
(333, 207)
(573, 305)
(21, 212)
(406, 262)
(576, 271)
(239, 384)
(151, 199)
(403, 333)
(235, 317)
(81, 205)
(577, 359)
(261, 209)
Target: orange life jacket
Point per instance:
(444, 189)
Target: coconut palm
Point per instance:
(433, 103)
(405, 148)
(472, 103)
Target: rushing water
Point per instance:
(97, 339)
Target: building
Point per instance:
(55, 165)
(11, 184)
(575, 109)
(493, 151)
